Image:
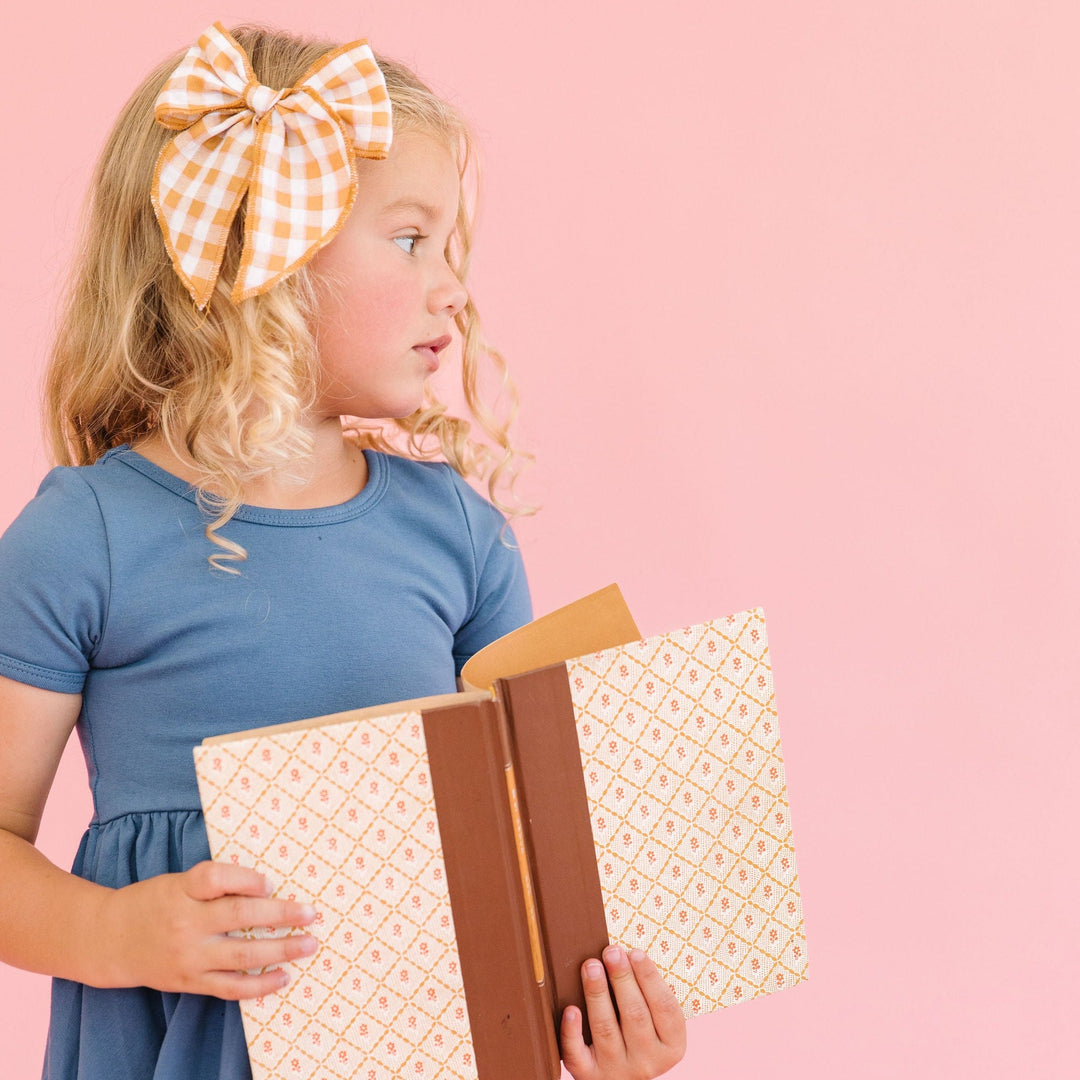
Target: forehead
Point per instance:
(418, 176)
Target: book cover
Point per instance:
(467, 852)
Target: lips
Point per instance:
(430, 351)
(435, 346)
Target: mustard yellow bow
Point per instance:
(290, 150)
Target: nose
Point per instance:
(447, 294)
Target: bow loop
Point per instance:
(290, 151)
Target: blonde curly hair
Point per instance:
(132, 355)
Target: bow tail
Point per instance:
(200, 178)
(302, 188)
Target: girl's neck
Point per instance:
(338, 471)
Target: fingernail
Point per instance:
(307, 911)
(637, 955)
(309, 946)
(268, 885)
(614, 955)
(594, 968)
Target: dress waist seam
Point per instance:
(98, 823)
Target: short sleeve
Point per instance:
(502, 600)
(54, 585)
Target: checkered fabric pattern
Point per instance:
(290, 150)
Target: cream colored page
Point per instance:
(343, 816)
(680, 745)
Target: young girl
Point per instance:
(218, 551)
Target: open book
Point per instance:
(467, 852)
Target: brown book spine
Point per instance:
(555, 810)
(509, 1011)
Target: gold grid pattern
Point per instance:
(680, 744)
(343, 817)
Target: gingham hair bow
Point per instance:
(290, 150)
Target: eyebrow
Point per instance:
(411, 202)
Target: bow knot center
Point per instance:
(261, 99)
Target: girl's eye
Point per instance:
(409, 239)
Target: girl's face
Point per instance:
(391, 287)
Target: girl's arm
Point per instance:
(167, 932)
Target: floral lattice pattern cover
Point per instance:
(681, 750)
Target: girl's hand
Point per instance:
(170, 932)
(653, 1033)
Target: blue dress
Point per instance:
(105, 590)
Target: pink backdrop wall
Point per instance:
(790, 293)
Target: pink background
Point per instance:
(791, 294)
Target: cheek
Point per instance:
(375, 311)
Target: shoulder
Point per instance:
(439, 490)
(65, 506)
(72, 501)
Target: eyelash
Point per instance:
(418, 236)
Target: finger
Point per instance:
(667, 1016)
(209, 879)
(233, 986)
(607, 1038)
(635, 1018)
(577, 1056)
(249, 954)
(238, 912)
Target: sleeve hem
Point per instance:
(66, 682)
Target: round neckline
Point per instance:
(362, 501)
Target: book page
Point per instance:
(594, 622)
